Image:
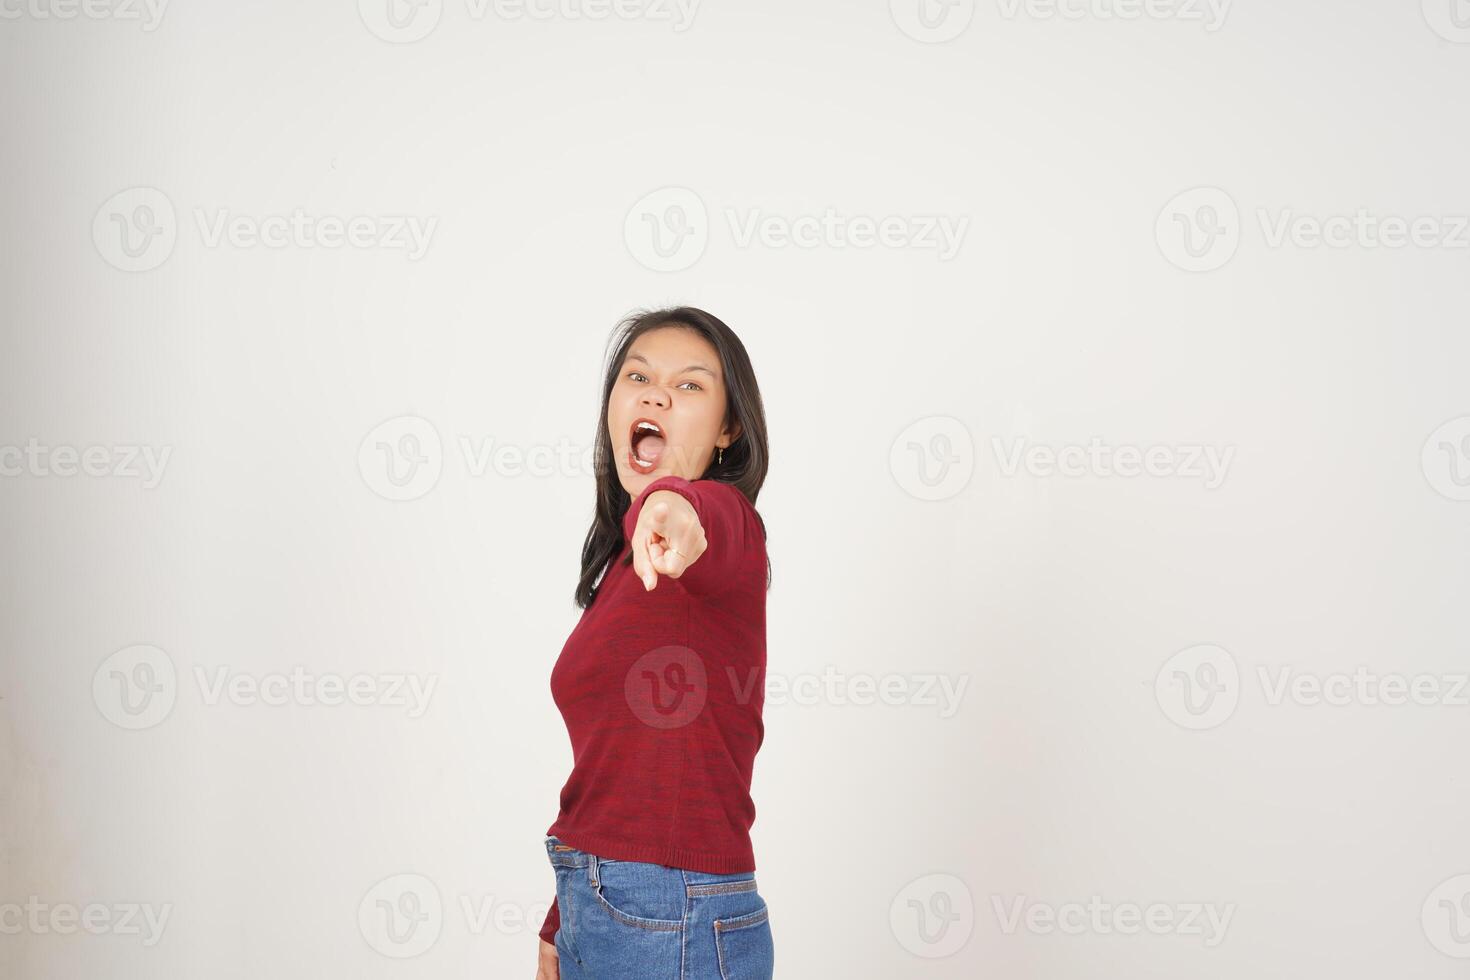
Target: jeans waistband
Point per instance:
(565, 856)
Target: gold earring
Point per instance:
(720, 456)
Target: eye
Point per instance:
(637, 376)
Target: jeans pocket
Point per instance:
(645, 896)
(744, 946)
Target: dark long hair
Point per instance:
(743, 463)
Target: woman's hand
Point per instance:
(548, 967)
(667, 539)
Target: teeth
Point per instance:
(644, 426)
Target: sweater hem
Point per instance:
(671, 857)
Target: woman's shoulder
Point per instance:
(731, 499)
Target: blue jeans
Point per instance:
(630, 920)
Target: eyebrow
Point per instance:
(692, 367)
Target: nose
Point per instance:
(655, 395)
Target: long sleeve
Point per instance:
(552, 923)
(729, 522)
(630, 796)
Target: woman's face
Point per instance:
(671, 378)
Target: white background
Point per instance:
(897, 381)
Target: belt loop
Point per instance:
(592, 870)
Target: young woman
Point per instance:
(662, 682)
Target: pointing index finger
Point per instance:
(649, 551)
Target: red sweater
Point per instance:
(662, 694)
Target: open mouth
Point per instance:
(645, 446)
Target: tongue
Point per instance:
(650, 448)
